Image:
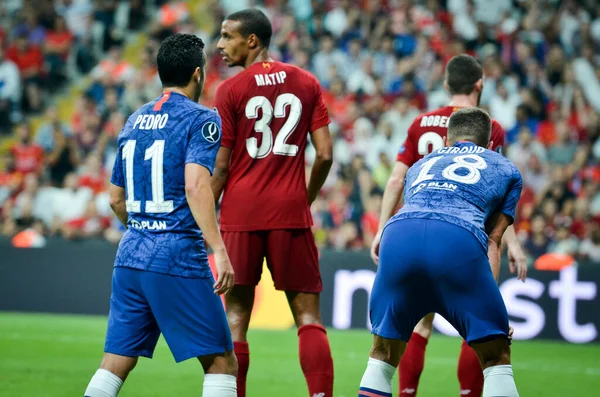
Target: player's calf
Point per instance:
(383, 360)
(494, 356)
(313, 346)
(108, 380)
(220, 372)
(413, 359)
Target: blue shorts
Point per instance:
(186, 310)
(430, 266)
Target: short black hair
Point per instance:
(178, 57)
(253, 21)
(470, 124)
(462, 72)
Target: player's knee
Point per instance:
(386, 350)
(118, 365)
(493, 352)
(238, 322)
(425, 326)
(222, 364)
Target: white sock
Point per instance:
(378, 377)
(499, 381)
(104, 384)
(219, 385)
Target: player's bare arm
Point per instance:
(321, 140)
(495, 228)
(200, 198)
(391, 200)
(219, 178)
(117, 203)
(516, 257)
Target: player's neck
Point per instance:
(179, 90)
(261, 56)
(463, 101)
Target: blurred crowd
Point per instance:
(381, 63)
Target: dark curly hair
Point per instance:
(178, 56)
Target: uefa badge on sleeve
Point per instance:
(211, 132)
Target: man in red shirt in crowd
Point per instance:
(27, 156)
(267, 112)
(464, 81)
(30, 60)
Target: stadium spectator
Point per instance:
(379, 63)
(30, 61)
(10, 90)
(28, 156)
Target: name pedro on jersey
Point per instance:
(270, 78)
(151, 121)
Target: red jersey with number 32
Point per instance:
(267, 112)
(426, 134)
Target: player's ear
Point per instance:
(479, 85)
(252, 41)
(490, 145)
(198, 74)
(446, 85)
(445, 140)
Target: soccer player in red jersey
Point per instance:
(267, 111)
(464, 81)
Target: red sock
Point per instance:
(411, 365)
(316, 360)
(470, 374)
(242, 352)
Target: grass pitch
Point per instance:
(55, 356)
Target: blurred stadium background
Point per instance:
(72, 70)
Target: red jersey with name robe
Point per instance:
(267, 112)
(427, 131)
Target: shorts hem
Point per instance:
(129, 353)
(389, 335)
(193, 354)
(316, 290)
(486, 338)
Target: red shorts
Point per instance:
(292, 258)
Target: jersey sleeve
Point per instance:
(117, 178)
(497, 137)
(407, 153)
(320, 116)
(509, 205)
(204, 141)
(226, 112)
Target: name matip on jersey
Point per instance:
(156, 143)
(267, 112)
(427, 131)
(463, 185)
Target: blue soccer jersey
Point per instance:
(156, 143)
(463, 185)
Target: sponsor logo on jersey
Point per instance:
(148, 225)
(266, 65)
(211, 132)
(436, 186)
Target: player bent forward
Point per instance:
(161, 191)
(459, 200)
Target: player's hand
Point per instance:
(517, 260)
(225, 274)
(375, 248)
